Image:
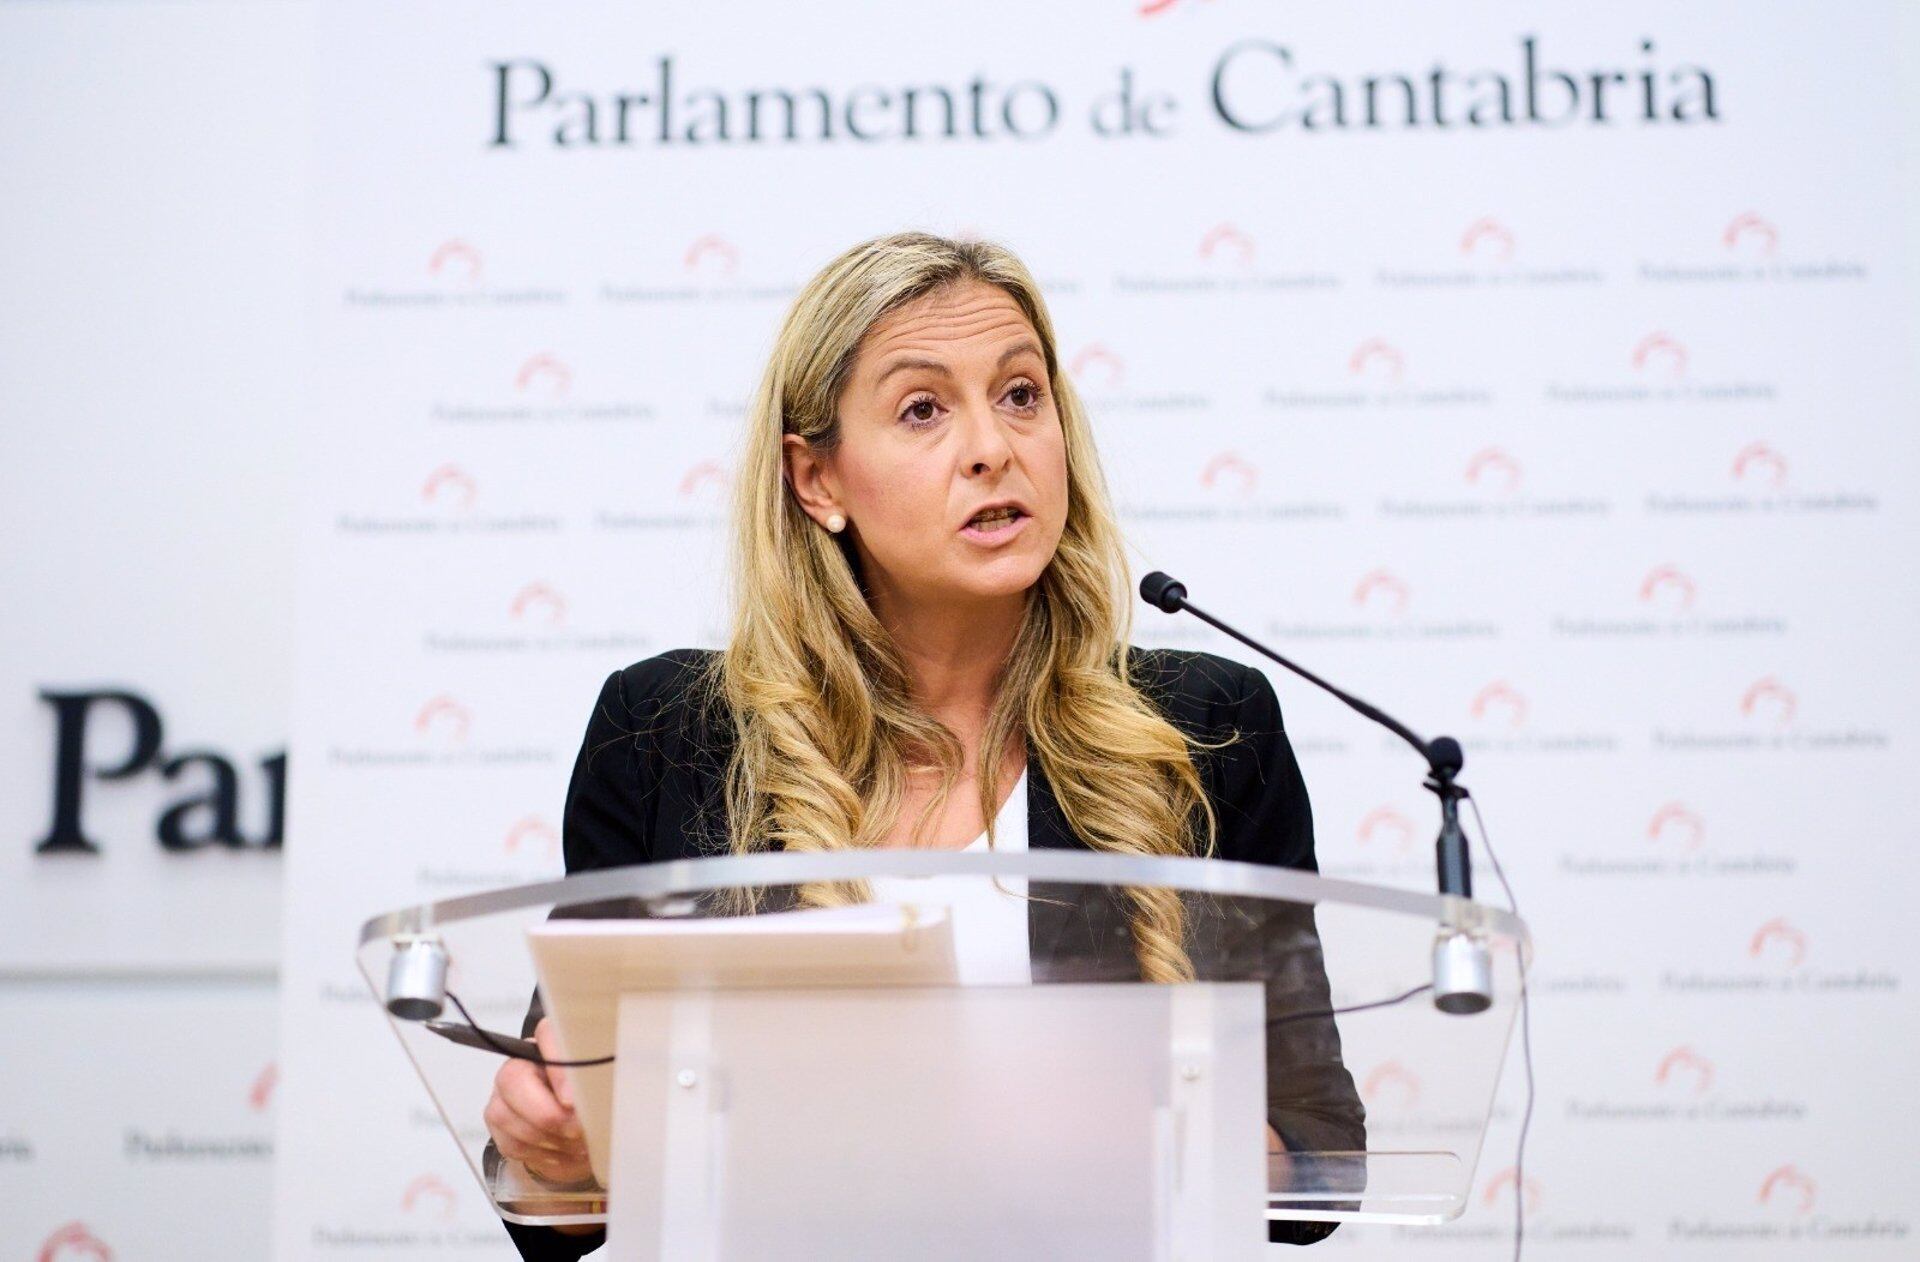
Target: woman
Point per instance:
(932, 607)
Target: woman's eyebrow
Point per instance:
(933, 365)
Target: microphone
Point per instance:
(1463, 972)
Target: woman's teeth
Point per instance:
(994, 518)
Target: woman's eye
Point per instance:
(1024, 396)
(921, 411)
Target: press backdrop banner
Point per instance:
(1542, 373)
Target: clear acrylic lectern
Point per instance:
(944, 1055)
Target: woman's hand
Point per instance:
(530, 1115)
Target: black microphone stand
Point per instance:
(1462, 971)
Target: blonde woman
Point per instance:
(929, 649)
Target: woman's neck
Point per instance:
(955, 654)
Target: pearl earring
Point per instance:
(836, 523)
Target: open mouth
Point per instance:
(990, 520)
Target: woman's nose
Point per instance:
(987, 447)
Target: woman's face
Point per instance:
(948, 411)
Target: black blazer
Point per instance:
(647, 787)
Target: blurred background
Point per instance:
(371, 377)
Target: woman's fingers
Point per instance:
(522, 1088)
(549, 1045)
(506, 1125)
(531, 1115)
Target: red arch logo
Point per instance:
(706, 473)
(445, 715)
(1508, 1181)
(1777, 937)
(428, 1189)
(449, 484)
(1757, 461)
(532, 830)
(1500, 697)
(260, 1095)
(1225, 239)
(1661, 354)
(455, 258)
(1384, 824)
(1230, 469)
(73, 1242)
(1667, 583)
(546, 373)
(713, 255)
(1494, 467)
(1769, 696)
(1096, 367)
(1154, 8)
(1391, 1078)
(1488, 238)
(1674, 823)
(537, 600)
(1683, 1064)
(1378, 360)
(1751, 235)
(1789, 1184)
(1381, 589)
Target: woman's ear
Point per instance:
(812, 480)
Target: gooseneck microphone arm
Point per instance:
(1443, 754)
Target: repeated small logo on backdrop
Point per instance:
(1749, 249)
(532, 831)
(1750, 235)
(1377, 359)
(1503, 719)
(1677, 824)
(1665, 597)
(429, 1195)
(1758, 472)
(1487, 238)
(538, 602)
(454, 275)
(1385, 826)
(1508, 1184)
(1501, 704)
(1667, 587)
(74, 1243)
(1225, 243)
(543, 374)
(1390, 1084)
(444, 719)
(1788, 1187)
(1095, 367)
(1779, 940)
(455, 259)
(260, 1094)
(711, 255)
(1769, 702)
(449, 486)
(1658, 368)
(1491, 468)
(1683, 1065)
(1381, 590)
(1483, 255)
(1230, 471)
(1767, 717)
(703, 479)
(1660, 356)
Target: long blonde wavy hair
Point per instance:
(824, 722)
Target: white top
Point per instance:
(989, 917)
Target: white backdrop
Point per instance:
(1577, 440)
(1586, 441)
